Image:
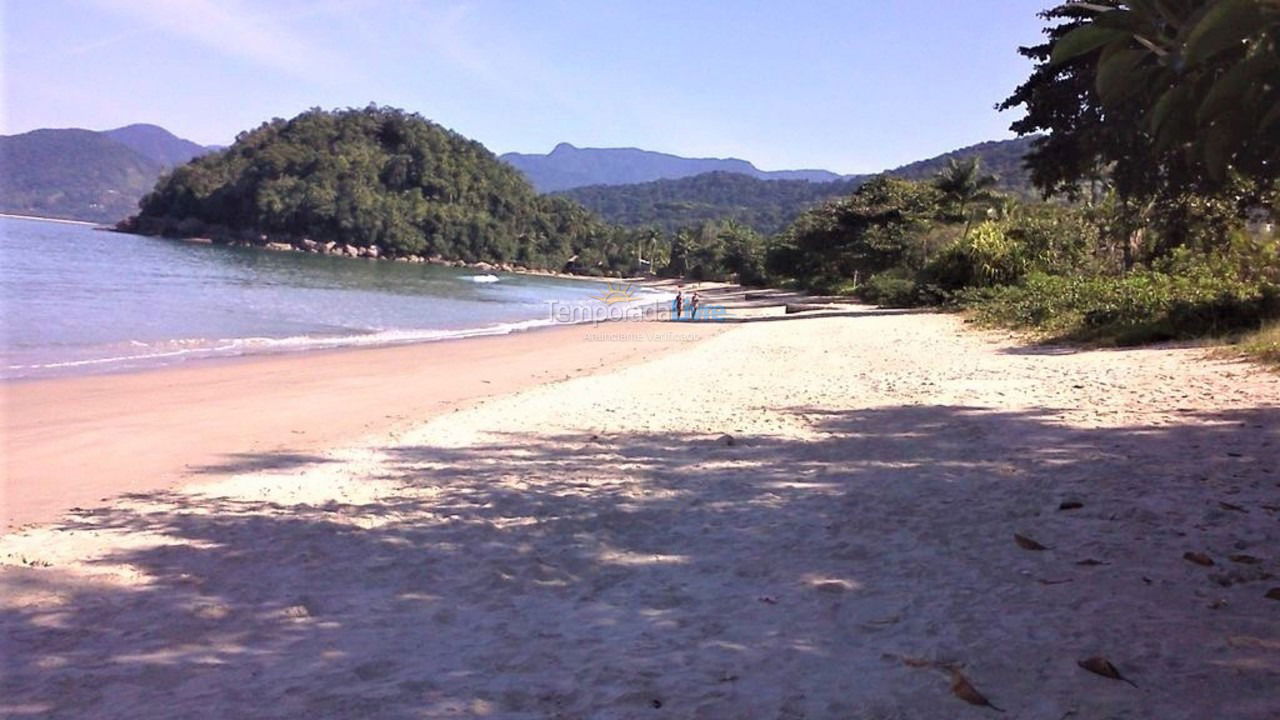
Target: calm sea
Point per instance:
(79, 300)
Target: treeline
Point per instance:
(766, 206)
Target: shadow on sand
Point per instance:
(767, 577)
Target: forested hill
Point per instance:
(569, 167)
(770, 205)
(83, 174)
(766, 205)
(74, 174)
(1002, 158)
(375, 178)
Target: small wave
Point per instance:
(166, 352)
(482, 278)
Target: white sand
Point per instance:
(591, 549)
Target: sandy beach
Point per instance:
(71, 442)
(816, 516)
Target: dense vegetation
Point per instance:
(1163, 121)
(1003, 159)
(74, 174)
(374, 178)
(764, 205)
(769, 206)
(1161, 154)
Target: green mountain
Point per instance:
(74, 174)
(86, 175)
(770, 205)
(372, 178)
(155, 142)
(568, 167)
(1002, 158)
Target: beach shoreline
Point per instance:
(77, 440)
(42, 218)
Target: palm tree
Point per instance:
(963, 184)
(1004, 207)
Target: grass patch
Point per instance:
(1262, 345)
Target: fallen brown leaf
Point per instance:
(1198, 558)
(1071, 505)
(1273, 593)
(1102, 666)
(963, 689)
(1246, 559)
(1090, 561)
(1229, 506)
(1027, 543)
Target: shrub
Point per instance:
(987, 256)
(893, 288)
(1145, 306)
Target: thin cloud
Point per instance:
(232, 30)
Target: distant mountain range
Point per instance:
(770, 205)
(100, 176)
(568, 167)
(85, 174)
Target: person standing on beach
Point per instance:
(693, 305)
(678, 304)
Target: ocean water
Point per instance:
(78, 300)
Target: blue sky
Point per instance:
(847, 85)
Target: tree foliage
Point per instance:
(372, 177)
(1156, 97)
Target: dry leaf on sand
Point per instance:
(1102, 666)
(1027, 543)
(1197, 558)
(963, 689)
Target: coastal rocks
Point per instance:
(286, 243)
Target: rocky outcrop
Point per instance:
(330, 247)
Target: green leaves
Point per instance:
(1084, 40)
(1225, 25)
(1118, 77)
(1184, 91)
